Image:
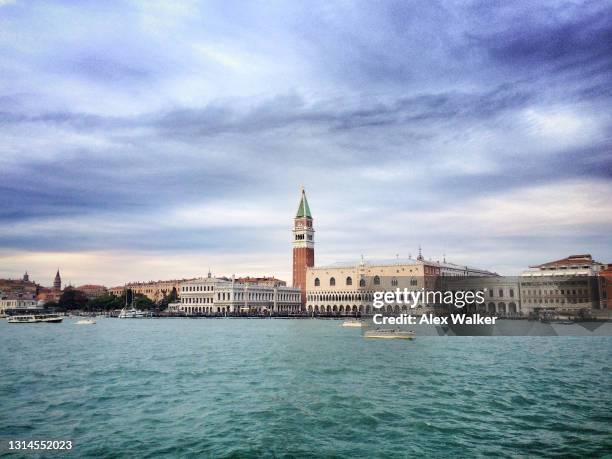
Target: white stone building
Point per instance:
(221, 296)
(567, 285)
(8, 303)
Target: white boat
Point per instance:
(29, 319)
(131, 314)
(352, 323)
(34, 318)
(52, 318)
(85, 322)
(389, 333)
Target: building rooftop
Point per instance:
(256, 280)
(371, 262)
(152, 282)
(572, 261)
(398, 262)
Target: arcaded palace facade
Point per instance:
(348, 288)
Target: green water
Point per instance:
(300, 388)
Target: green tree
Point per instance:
(106, 302)
(171, 297)
(72, 299)
(143, 302)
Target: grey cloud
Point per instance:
(397, 87)
(282, 111)
(579, 44)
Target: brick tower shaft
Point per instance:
(303, 245)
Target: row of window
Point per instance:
(17, 303)
(200, 300)
(239, 295)
(197, 288)
(252, 296)
(362, 282)
(556, 300)
(223, 309)
(554, 284)
(501, 307)
(557, 292)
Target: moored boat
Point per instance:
(131, 314)
(389, 334)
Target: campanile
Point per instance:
(303, 245)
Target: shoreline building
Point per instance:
(348, 288)
(605, 276)
(303, 245)
(20, 288)
(92, 291)
(567, 285)
(154, 290)
(11, 305)
(502, 294)
(17, 295)
(222, 296)
(269, 281)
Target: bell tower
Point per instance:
(303, 245)
(57, 282)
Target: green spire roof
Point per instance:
(303, 209)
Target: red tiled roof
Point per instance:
(571, 260)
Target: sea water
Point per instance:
(300, 388)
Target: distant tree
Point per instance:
(72, 299)
(128, 296)
(162, 304)
(171, 297)
(143, 302)
(106, 302)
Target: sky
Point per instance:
(146, 140)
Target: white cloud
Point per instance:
(561, 127)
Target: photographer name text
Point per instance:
(430, 319)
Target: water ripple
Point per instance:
(241, 388)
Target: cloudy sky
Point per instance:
(150, 140)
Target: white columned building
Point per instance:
(222, 296)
